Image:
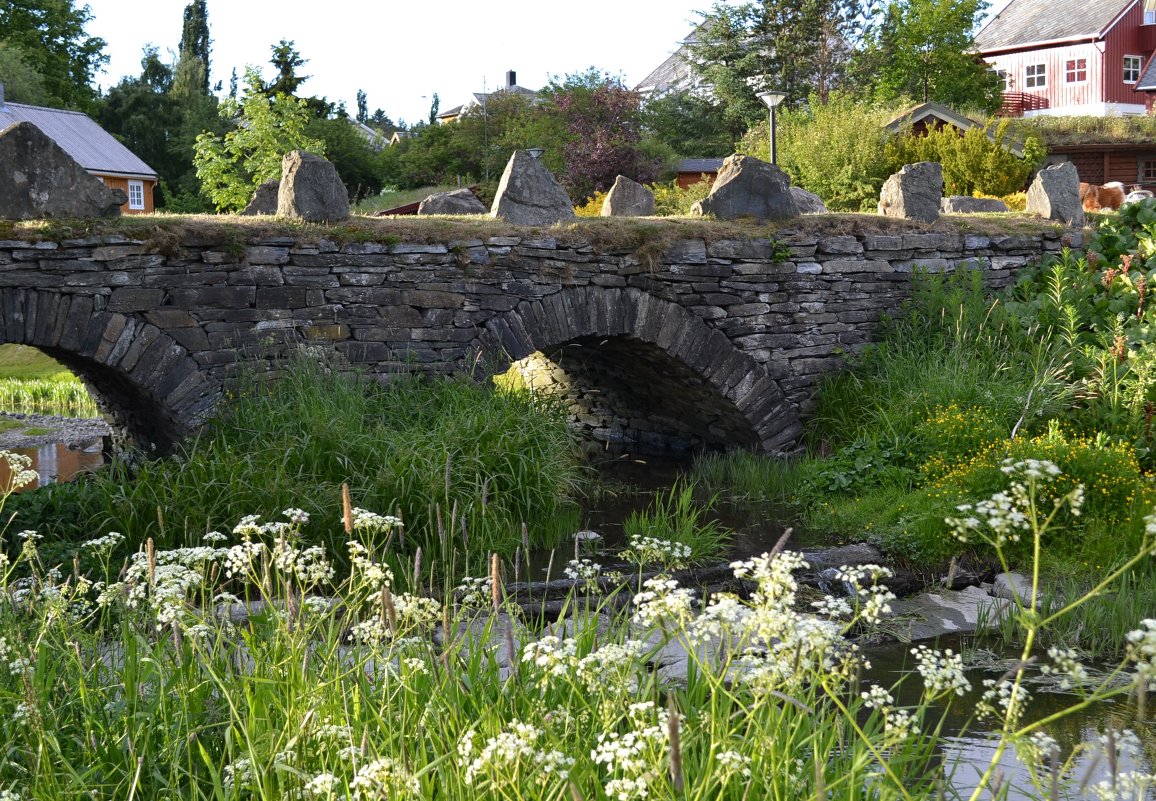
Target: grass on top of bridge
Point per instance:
(165, 233)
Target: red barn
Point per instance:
(1071, 57)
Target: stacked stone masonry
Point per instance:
(714, 344)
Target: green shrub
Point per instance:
(978, 161)
(835, 149)
(671, 200)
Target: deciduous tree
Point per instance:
(51, 37)
(22, 82)
(924, 50)
(265, 128)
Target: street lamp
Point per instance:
(535, 152)
(772, 98)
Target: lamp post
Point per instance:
(772, 98)
(536, 152)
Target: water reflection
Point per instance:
(57, 463)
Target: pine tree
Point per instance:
(192, 72)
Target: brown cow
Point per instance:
(1110, 196)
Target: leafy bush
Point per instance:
(671, 200)
(835, 149)
(978, 161)
(593, 205)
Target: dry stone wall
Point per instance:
(713, 343)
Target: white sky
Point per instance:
(402, 51)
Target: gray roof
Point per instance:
(1147, 82)
(937, 111)
(675, 72)
(700, 165)
(94, 148)
(1026, 22)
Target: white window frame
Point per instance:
(136, 198)
(1004, 78)
(1150, 17)
(1072, 67)
(1036, 76)
(1138, 70)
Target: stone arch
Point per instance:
(599, 313)
(144, 382)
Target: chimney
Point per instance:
(511, 81)
(1, 94)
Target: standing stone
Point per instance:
(264, 199)
(628, 198)
(748, 187)
(38, 179)
(808, 202)
(311, 190)
(529, 194)
(1055, 194)
(459, 201)
(963, 204)
(913, 193)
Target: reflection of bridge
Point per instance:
(703, 345)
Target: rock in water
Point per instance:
(311, 190)
(459, 201)
(38, 179)
(913, 193)
(628, 198)
(748, 187)
(1055, 195)
(529, 194)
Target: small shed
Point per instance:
(692, 171)
(93, 148)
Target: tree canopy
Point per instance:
(51, 39)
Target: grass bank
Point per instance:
(32, 383)
(1062, 367)
(458, 462)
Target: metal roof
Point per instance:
(1147, 82)
(94, 148)
(700, 165)
(1027, 22)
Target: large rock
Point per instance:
(748, 187)
(1055, 195)
(628, 198)
(459, 201)
(935, 614)
(39, 180)
(808, 202)
(913, 193)
(963, 204)
(311, 190)
(529, 195)
(264, 200)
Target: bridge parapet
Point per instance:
(745, 326)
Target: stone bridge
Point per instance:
(706, 344)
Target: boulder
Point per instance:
(808, 202)
(628, 198)
(529, 195)
(935, 614)
(311, 190)
(38, 179)
(1055, 195)
(264, 199)
(459, 201)
(962, 204)
(748, 187)
(913, 193)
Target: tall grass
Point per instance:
(677, 516)
(136, 683)
(458, 462)
(66, 398)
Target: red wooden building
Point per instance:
(1071, 57)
